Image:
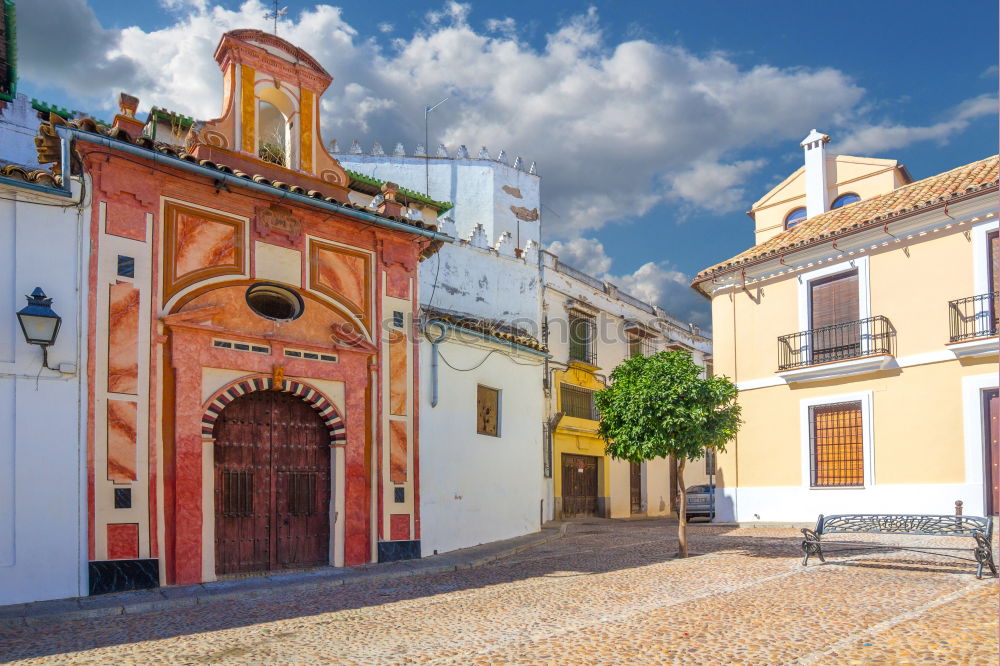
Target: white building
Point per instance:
(43, 535)
(592, 327)
(481, 361)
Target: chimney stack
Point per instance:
(817, 194)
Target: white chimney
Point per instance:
(817, 195)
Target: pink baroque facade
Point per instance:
(254, 383)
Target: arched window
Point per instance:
(795, 217)
(272, 146)
(844, 199)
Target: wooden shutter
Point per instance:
(487, 411)
(834, 300)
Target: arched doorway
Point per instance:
(272, 484)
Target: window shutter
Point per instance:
(834, 300)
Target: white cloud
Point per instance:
(713, 186)
(507, 27)
(614, 128)
(657, 283)
(385, 27)
(874, 139)
(585, 254)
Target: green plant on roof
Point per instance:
(442, 206)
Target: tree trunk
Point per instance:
(682, 524)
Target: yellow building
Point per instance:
(590, 328)
(861, 330)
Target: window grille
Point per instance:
(581, 338)
(640, 345)
(301, 493)
(578, 402)
(237, 494)
(836, 445)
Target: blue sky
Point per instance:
(654, 124)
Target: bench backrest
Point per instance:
(883, 523)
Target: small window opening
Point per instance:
(795, 217)
(273, 134)
(273, 301)
(844, 199)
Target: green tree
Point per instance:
(658, 406)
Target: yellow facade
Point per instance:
(577, 436)
(922, 404)
(865, 176)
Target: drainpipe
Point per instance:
(435, 341)
(69, 133)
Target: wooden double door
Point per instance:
(579, 485)
(272, 485)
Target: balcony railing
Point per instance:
(973, 317)
(840, 342)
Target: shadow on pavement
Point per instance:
(590, 547)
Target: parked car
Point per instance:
(701, 501)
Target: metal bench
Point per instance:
(979, 529)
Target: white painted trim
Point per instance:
(974, 348)
(799, 505)
(864, 291)
(972, 432)
(980, 255)
(924, 358)
(867, 436)
(855, 366)
(763, 382)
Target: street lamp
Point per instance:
(39, 323)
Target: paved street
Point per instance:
(607, 592)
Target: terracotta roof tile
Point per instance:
(491, 327)
(881, 209)
(47, 134)
(37, 176)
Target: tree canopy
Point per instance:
(659, 406)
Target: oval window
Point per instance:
(844, 199)
(795, 217)
(274, 301)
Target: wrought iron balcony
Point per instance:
(973, 317)
(872, 336)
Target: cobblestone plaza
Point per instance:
(607, 592)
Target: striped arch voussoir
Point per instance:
(334, 422)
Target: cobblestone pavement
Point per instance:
(607, 592)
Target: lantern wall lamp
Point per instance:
(39, 323)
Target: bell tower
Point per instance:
(271, 108)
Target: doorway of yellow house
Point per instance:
(579, 485)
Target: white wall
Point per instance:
(475, 186)
(479, 488)
(464, 279)
(42, 455)
(18, 129)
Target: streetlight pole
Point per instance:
(427, 147)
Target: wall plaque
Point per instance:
(278, 220)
